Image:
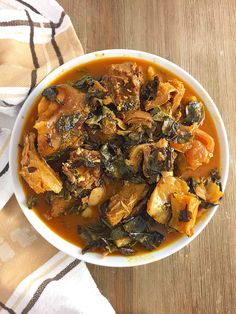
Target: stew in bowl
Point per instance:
(120, 156)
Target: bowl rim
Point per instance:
(66, 246)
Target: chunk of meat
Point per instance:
(34, 169)
(108, 124)
(60, 120)
(182, 148)
(122, 204)
(124, 82)
(163, 96)
(206, 139)
(83, 168)
(138, 117)
(201, 150)
(196, 152)
(213, 193)
(197, 155)
(178, 94)
(59, 206)
(161, 195)
(209, 191)
(184, 213)
(138, 152)
(169, 92)
(98, 136)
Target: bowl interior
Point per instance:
(71, 249)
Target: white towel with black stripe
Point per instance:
(62, 285)
(35, 38)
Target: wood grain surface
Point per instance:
(200, 36)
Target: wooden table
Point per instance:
(200, 36)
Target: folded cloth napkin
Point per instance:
(62, 285)
(35, 38)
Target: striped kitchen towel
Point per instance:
(62, 285)
(35, 38)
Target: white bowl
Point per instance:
(71, 249)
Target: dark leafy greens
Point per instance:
(50, 93)
(122, 238)
(149, 91)
(84, 83)
(67, 123)
(194, 113)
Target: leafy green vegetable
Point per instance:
(101, 244)
(175, 132)
(114, 165)
(194, 182)
(95, 231)
(94, 120)
(50, 93)
(149, 240)
(122, 238)
(160, 159)
(84, 83)
(135, 225)
(149, 91)
(32, 201)
(95, 93)
(117, 234)
(194, 113)
(51, 196)
(170, 127)
(58, 155)
(206, 205)
(192, 185)
(77, 208)
(215, 177)
(158, 114)
(67, 123)
(126, 106)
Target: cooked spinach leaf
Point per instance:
(170, 127)
(158, 114)
(67, 123)
(159, 160)
(127, 105)
(149, 91)
(135, 225)
(84, 83)
(215, 177)
(194, 113)
(175, 132)
(50, 93)
(149, 240)
(114, 165)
